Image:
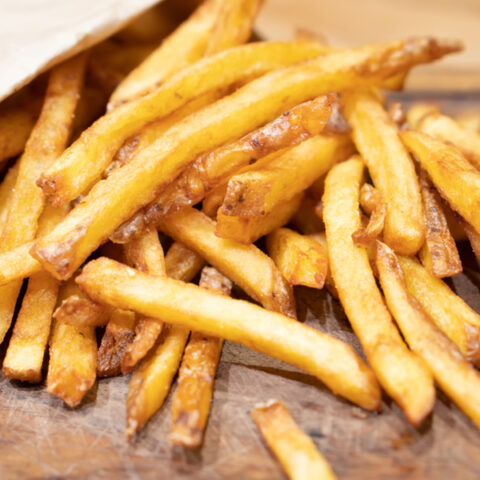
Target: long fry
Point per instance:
(455, 376)
(294, 449)
(115, 200)
(329, 359)
(400, 372)
(191, 402)
(245, 265)
(391, 168)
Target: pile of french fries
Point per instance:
(217, 143)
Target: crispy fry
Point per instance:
(83, 163)
(26, 348)
(305, 218)
(245, 265)
(447, 129)
(182, 263)
(331, 360)
(114, 200)
(455, 376)
(329, 282)
(401, 373)
(192, 399)
(372, 203)
(418, 110)
(439, 254)
(249, 229)
(73, 357)
(391, 169)
(233, 25)
(183, 47)
(448, 311)
(294, 449)
(302, 260)
(451, 173)
(213, 168)
(119, 334)
(259, 191)
(47, 140)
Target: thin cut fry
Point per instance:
(294, 449)
(259, 191)
(182, 263)
(331, 360)
(372, 203)
(248, 229)
(401, 373)
(83, 163)
(73, 357)
(447, 129)
(451, 173)
(192, 399)
(449, 312)
(302, 260)
(391, 169)
(245, 265)
(439, 254)
(114, 200)
(213, 168)
(455, 376)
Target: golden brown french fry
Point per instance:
(119, 334)
(418, 110)
(213, 168)
(47, 140)
(451, 173)
(183, 47)
(439, 254)
(391, 169)
(26, 349)
(448, 311)
(455, 376)
(469, 120)
(302, 260)
(6, 188)
(246, 265)
(401, 373)
(115, 200)
(259, 191)
(372, 203)
(294, 449)
(321, 238)
(79, 311)
(73, 357)
(331, 360)
(181, 263)
(305, 218)
(448, 130)
(192, 399)
(83, 163)
(248, 229)
(233, 25)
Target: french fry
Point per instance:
(439, 254)
(181, 263)
(469, 120)
(68, 177)
(455, 376)
(233, 25)
(329, 282)
(302, 260)
(259, 191)
(331, 360)
(183, 47)
(305, 218)
(114, 200)
(294, 449)
(119, 334)
(419, 110)
(245, 265)
(372, 203)
(448, 130)
(47, 140)
(448, 311)
(79, 311)
(451, 173)
(73, 357)
(401, 373)
(214, 168)
(248, 229)
(391, 169)
(192, 399)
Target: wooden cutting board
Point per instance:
(42, 438)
